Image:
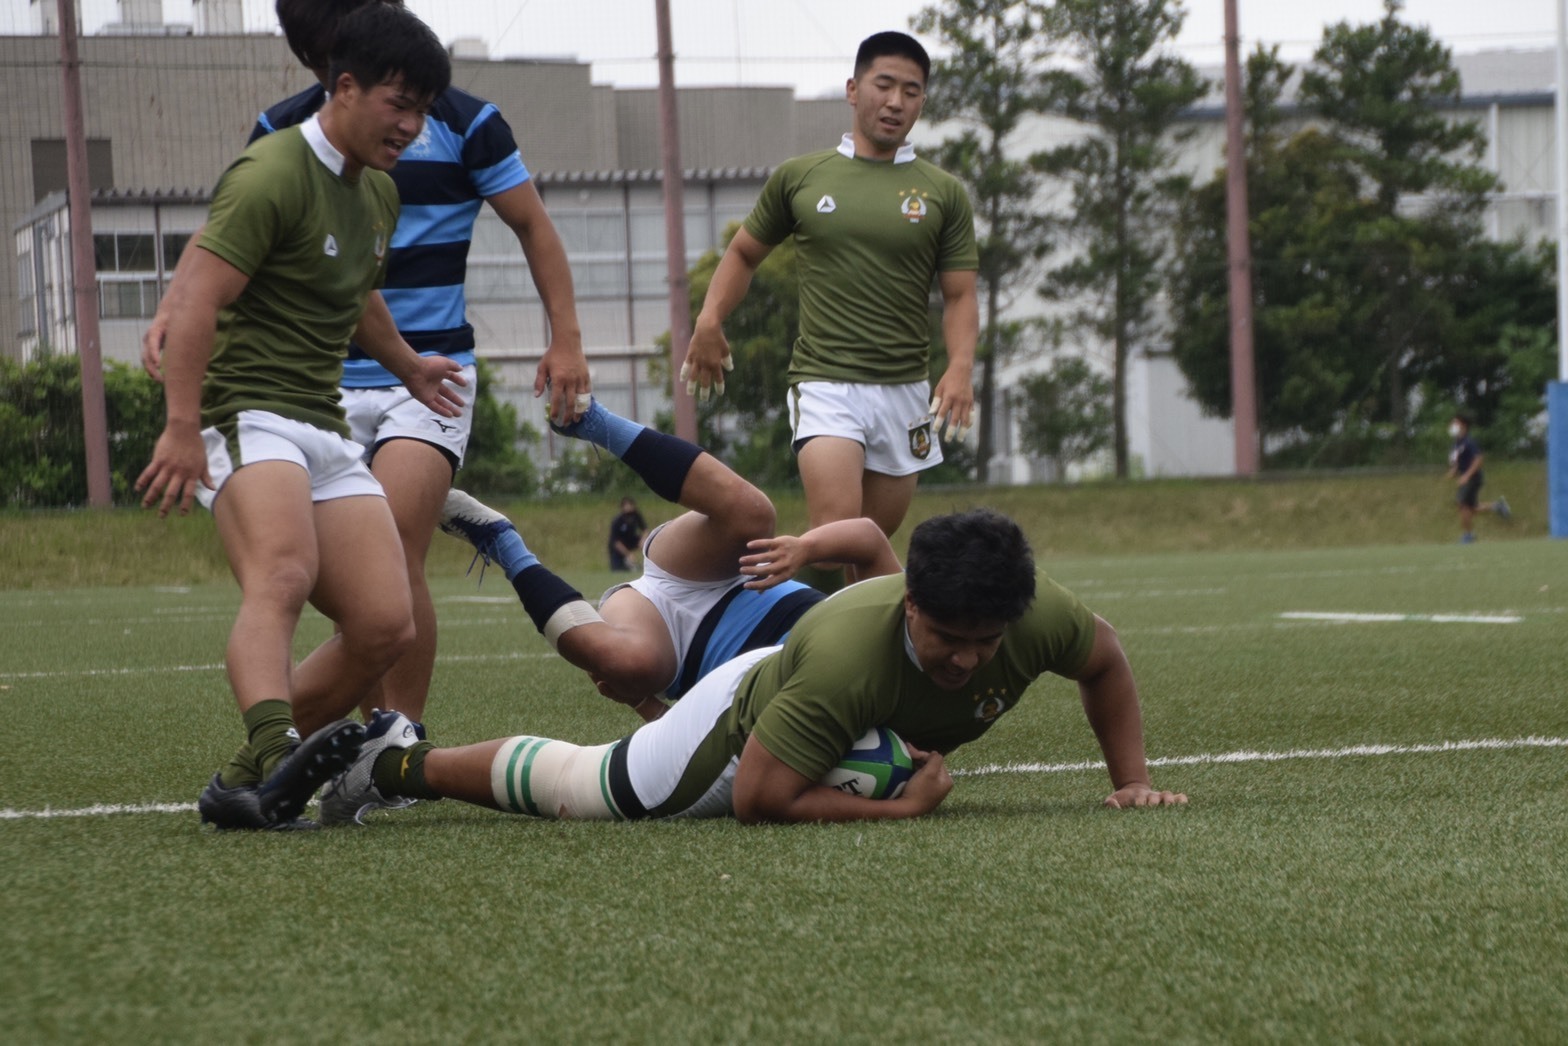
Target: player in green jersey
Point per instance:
(284, 275)
(938, 654)
(874, 227)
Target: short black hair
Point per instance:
(896, 44)
(970, 567)
(1464, 419)
(383, 42)
(310, 27)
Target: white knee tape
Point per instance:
(555, 779)
(567, 617)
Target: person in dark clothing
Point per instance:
(626, 531)
(1464, 467)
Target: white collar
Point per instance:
(846, 147)
(909, 647)
(324, 150)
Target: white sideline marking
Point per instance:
(87, 673)
(1490, 744)
(478, 599)
(1442, 619)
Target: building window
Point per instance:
(129, 271)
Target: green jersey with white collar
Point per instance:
(870, 238)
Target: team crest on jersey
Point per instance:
(419, 147)
(990, 704)
(330, 248)
(826, 205)
(381, 242)
(920, 438)
(912, 205)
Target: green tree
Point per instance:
(1380, 87)
(1356, 308)
(43, 458)
(1066, 413)
(996, 73)
(1125, 185)
(1304, 211)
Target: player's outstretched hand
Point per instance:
(563, 373)
(432, 385)
(179, 461)
(931, 783)
(953, 406)
(707, 358)
(1129, 796)
(773, 560)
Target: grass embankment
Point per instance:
(62, 549)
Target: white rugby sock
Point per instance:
(543, 777)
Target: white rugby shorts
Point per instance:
(336, 466)
(662, 754)
(892, 422)
(377, 415)
(681, 603)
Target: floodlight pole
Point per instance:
(84, 271)
(674, 227)
(1243, 380)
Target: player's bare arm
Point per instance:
(564, 368)
(426, 377)
(708, 354)
(769, 790)
(204, 283)
(953, 399)
(158, 327)
(1110, 701)
(857, 544)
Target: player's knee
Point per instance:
(286, 585)
(380, 638)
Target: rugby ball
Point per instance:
(877, 766)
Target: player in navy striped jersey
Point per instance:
(465, 157)
(716, 582)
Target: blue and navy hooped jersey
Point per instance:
(465, 153)
(743, 620)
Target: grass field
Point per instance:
(1373, 850)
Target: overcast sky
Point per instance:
(809, 43)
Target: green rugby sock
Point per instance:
(243, 769)
(401, 771)
(270, 727)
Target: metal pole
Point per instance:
(1243, 381)
(84, 274)
(674, 228)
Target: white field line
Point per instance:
(1216, 758)
(89, 673)
(1348, 616)
(1353, 751)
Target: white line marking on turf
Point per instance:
(1488, 744)
(1484, 745)
(88, 673)
(1442, 619)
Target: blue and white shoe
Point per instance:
(352, 794)
(464, 516)
(1504, 513)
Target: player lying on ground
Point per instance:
(715, 581)
(937, 655)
